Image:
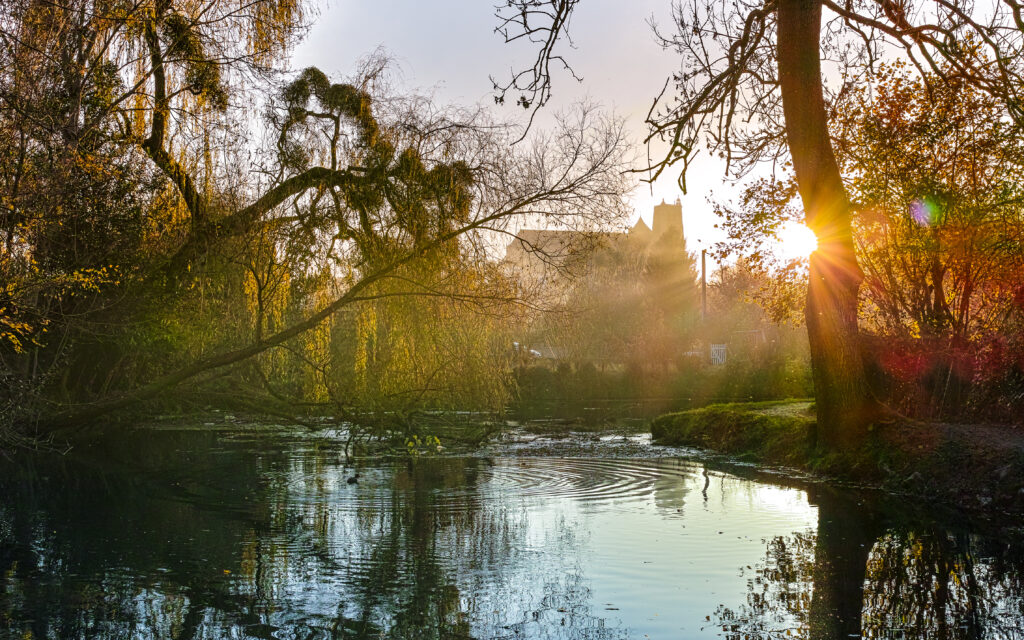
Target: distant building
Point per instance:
(540, 256)
(637, 289)
(666, 224)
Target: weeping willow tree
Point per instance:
(410, 348)
(239, 245)
(114, 119)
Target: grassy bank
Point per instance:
(780, 433)
(974, 466)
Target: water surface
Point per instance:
(236, 534)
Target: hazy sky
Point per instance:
(449, 46)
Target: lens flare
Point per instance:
(924, 211)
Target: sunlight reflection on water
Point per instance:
(198, 535)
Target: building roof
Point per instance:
(548, 245)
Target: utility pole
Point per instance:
(703, 285)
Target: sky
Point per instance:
(449, 47)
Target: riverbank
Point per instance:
(976, 467)
(969, 466)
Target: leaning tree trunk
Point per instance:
(843, 402)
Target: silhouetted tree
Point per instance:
(751, 87)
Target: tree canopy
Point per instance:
(173, 206)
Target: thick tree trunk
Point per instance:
(843, 401)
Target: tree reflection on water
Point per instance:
(936, 583)
(198, 535)
(207, 543)
(862, 574)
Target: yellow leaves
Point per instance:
(366, 333)
(267, 292)
(416, 446)
(20, 328)
(270, 27)
(90, 280)
(139, 106)
(16, 333)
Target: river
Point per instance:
(256, 533)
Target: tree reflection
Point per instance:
(201, 538)
(935, 583)
(778, 592)
(204, 536)
(847, 528)
(877, 572)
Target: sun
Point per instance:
(794, 241)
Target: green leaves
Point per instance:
(185, 47)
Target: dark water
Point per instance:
(228, 535)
